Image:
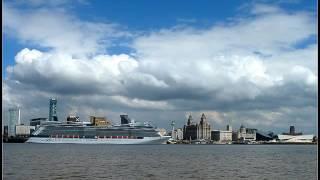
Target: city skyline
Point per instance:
(239, 62)
(190, 121)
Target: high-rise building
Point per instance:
(125, 119)
(14, 119)
(53, 110)
(292, 132)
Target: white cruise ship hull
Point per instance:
(145, 140)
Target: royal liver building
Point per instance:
(195, 131)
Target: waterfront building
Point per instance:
(177, 134)
(242, 132)
(246, 134)
(190, 130)
(195, 131)
(251, 134)
(23, 130)
(37, 121)
(222, 136)
(264, 136)
(53, 110)
(295, 138)
(234, 136)
(14, 119)
(215, 135)
(204, 129)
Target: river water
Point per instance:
(73, 161)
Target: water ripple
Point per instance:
(67, 161)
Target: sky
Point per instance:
(238, 62)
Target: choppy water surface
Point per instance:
(71, 161)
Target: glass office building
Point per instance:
(13, 120)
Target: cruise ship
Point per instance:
(128, 132)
